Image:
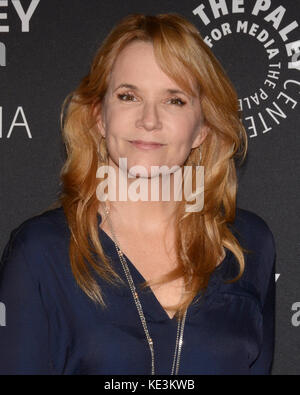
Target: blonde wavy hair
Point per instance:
(200, 236)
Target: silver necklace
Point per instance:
(181, 322)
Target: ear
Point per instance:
(201, 136)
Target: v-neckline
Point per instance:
(136, 274)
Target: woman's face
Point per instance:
(148, 111)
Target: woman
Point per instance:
(97, 285)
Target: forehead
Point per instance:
(136, 64)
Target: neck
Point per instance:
(156, 210)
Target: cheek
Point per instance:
(120, 125)
(184, 138)
(116, 130)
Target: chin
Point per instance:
(147, 172)
(139, 172)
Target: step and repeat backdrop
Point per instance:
(46, 47)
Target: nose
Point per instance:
(149, 118)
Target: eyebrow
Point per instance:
(130, 86)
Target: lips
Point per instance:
(146, 144)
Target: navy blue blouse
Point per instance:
(52, 327)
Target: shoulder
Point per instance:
(43, 234)
(47, 227)
(253, 232)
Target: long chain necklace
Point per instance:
(181, 322)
